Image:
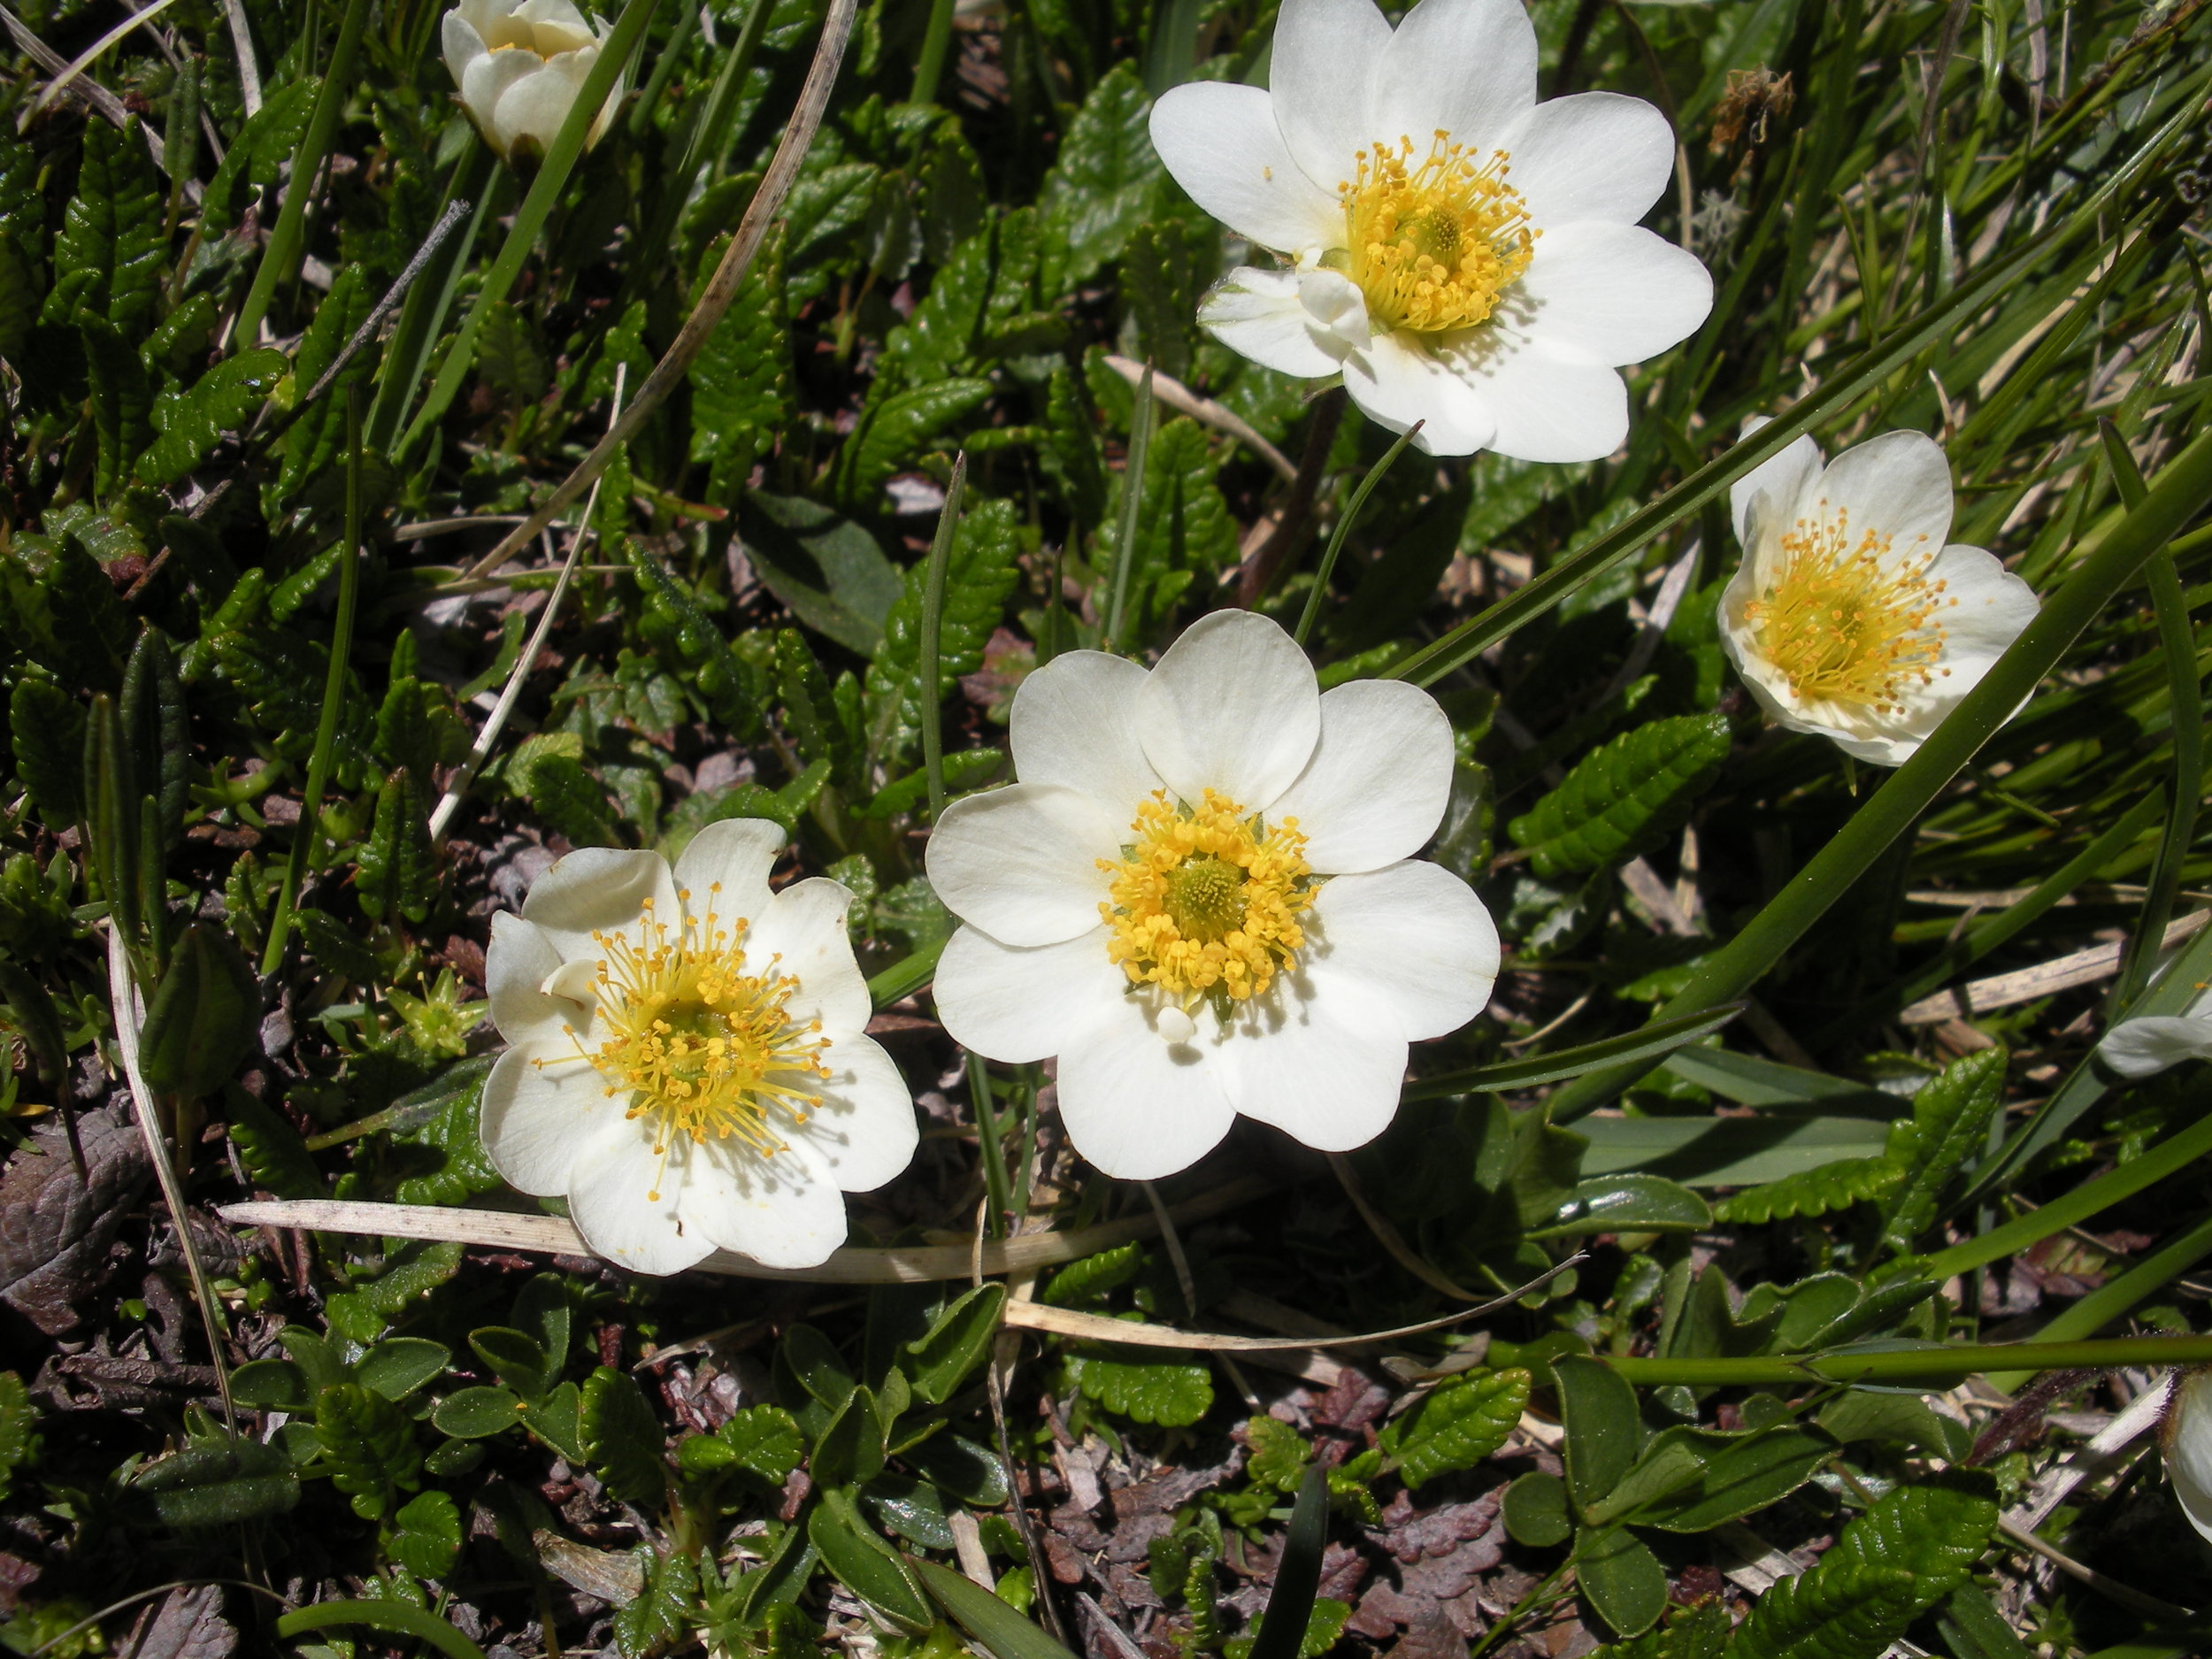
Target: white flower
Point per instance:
(1849, 617)
(686, 1064)
(1461, 254)
(2148, 1044)
(2184, 1434)
(519, 65)
(1201, 897)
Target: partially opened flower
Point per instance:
(1849, 617)
(2184, 1434)
(519, 65)
(686, 1063)
(1461, 254)
(2148, 1044)
(1202, 897)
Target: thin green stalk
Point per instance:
(1132, 499)
(2184, 487)
(997, 1189)
(1939, 1366)
(929, 68)
(477, 177)
(537, 207)
(2101, 1307)
(2178, 646)
(1344, 529)
(927, 656)
(281, 256)
(664, 66)
(710, 138)
(308, 828)
(1936, 326)
(2072, 1208)
(905, 976)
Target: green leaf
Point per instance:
(1535, 1511)
(1629, 1203)
(192, 422)
(411, 1273)
(689, 645)
(203, 1017)
(970, 1471)
(472, 1414)
(1622, 1578)
(61, 610)
(1184, 530)
(1169, 1393)
(426, 1536)
(46, 726)
(660, 1613)
(271, 1384)
(851, 1449)
(1693, 1633)
(1822, 1615)
(979, 576)
(256, 156)
(516, 1359)
(449, 1129)
(368, 1445)
(509, 358)
(569, 799)
(1105, 182)
(18, 1425)
(898, 431)
(1286, 1629)
(942, 1358)
(1605, 1433)
(764, 1441)
(1692, 1479)
(1072, 450)
(811, 714)
(865, 1564)
(398, 1366)
(398, 1619)
(1161, 287)
(158, 728)
(1865, 1414)
(740, 382)
(985, 1616)
(938, 340)
(121, 402)
(18, 297)
(1835, 1185)
(312, 446)
(1456, 1424)
(1624, 796)
(108, 259)
(220, 1483)
(1950, 1124)
(827, 568)
(398, 866)
(1939, 1524)
(622, 1437)
(1280, 1453)
(557, 1420)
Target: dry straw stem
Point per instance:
(783, 173)
(2046, 979)
(1206, 412)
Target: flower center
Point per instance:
(704, 1048)
(1204, 903)
(1433, 244)
(1843, 623)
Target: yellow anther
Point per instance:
(1843, 621)
(1432, 243)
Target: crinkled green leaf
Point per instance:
(622, 1437)
(192, 422)
(1456, 1424)
(1620, 798)
(981, 574)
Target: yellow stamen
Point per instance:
(1844, 621)
(702, 1047)
(1433, 243)
(1205, 901)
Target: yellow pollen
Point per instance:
(702, 1047)
(1205, 901)
(1845, 622)
(1432, 243)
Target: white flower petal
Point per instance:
(1992, 606)
(483, 15)
(1897, 485)
(863, 1133)
(1021, 1005)
(1325, 1069)
(1022, 863)
(802, 932)
(598, 888)
(1231, 707)
(1611, 294)
(609, 1201)
(1781, 478)
(536, 1120)
(1550, 407)
(1220, 142)
(1592, 155)
(1294, 322)
(1466, 67)
(2147, 1045)
(463, 44)
(516, 967)
(1396, 382)
(2185, 1437)
(531, 112)
(1074, 722)
(1414, 937)
(1375, 789)
(1137, 1106)
(785, 1212)
(485, 81)
(1321, 70)
(738, 854)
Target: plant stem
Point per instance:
(927, 656)
(929, 68)
(1939, 1366)
(308, 831)
(1132, 499)
(422, 314)
(282, 256)
(906, 976)
(1344, 529)
(997, 1189)
(2101, 1307)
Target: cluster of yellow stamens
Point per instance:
(1432, 243)
(702, 1047)
(1205, 901)
(1843, 622)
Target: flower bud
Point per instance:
(519, 66)
(2184, 1434)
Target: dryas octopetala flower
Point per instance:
(2149, 1043)
(1849, 617)
(1461, 254)
(518, 65)
(686, 1063)
(1202, 897)
(2184, 1435)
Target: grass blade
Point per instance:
(927, 654)
(1644, 1046)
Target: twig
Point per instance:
(249, 68)
(1206, 412)
(84, 59)
(94, 97)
